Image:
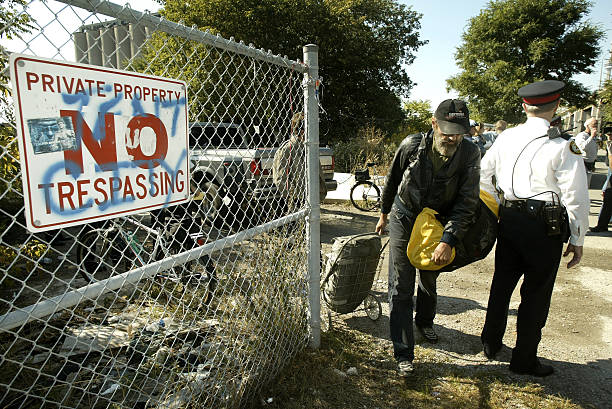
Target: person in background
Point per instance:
(438, 170)
(539, 178)
(289, 167)
(607, 137)
(605, 213)
(587, 142)
(476, 132)
(500, 126)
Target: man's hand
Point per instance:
(442, 254)
(381, 226)
(577, 250)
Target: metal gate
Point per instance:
(198, 304)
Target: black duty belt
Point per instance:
(553, 214)
(516, 204)
(534, 208)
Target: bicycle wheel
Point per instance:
(365, 196)
(99, 254)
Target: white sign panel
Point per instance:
(97, 143)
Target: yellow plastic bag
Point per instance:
(477, 243)
(490, 201)
(425, 237)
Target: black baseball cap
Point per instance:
(541, 92)
(453, 117)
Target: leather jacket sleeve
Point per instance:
(396, 171)
(464, 207)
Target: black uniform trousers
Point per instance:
(523, 249)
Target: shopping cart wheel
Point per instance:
(372, 307)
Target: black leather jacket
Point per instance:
(454, 192)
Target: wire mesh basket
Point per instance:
(350, 271)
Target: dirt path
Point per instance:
(577, 339)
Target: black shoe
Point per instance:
(537, 370)
(489, 351)
(598, 229)
(428, 333)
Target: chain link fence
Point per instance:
(198, 304)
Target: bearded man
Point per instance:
(439, 170)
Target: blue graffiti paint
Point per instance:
(59, 167)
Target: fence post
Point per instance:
(311, 58)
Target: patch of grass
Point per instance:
(311, 380)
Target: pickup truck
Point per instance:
(231, 169)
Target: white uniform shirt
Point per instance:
(588, 146)
(544, 165)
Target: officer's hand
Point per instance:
(381, 226)
(442, 253)
(577, 250)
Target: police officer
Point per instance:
(541, 181)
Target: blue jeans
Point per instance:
(402, 277)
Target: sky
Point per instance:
(442, 24)
(443, 27)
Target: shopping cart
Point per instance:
(349, 273)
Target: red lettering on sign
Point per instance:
(141, 185)
(82, 192)
(134, 129)
(97, 184)
(31, 78)
(103, 151)
(65, 195)
(47, 81)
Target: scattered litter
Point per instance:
(351, 371)
(110, 390)
(38, 358)
(340, 373)
(269, 400)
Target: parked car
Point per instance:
(231, 169)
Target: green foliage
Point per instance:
(13, 22)
(606, 100)
(364, 49)
(514, 42)
(368, 146)
(10, 183)
(418, 117)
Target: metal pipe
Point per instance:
(311, 58)
(93, 291)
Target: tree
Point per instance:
(606, 101)
(365, 47)
(514, 42)
(14, 21)
(418, 116)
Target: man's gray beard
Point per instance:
(444, 149)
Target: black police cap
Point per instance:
(541, 92)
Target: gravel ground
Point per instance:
(577, 339)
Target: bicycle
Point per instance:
(365, 193)
(116, 248)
